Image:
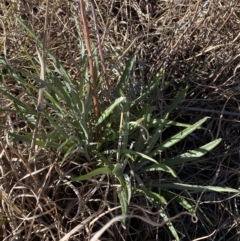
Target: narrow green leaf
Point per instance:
(180, 199)
(155, 135)
(123, 203)
(129, 187)
(69, 151)
(160, 167)
(28, 138)
(105, 160)
(57, 64)
(117, 171)
(169, 224)
(57, 89)
(140, 182)
(124, 192)
(18, 103)
(139, 154)
(31, 33)
(152, 196)
(144, 136)
(126, 73)
(157, 201)
(146, 93)
(176, 101)
(178, 137)
(193, 154)
(125, 127)
(140, 165)
(78, 28)
(197, 188)
(167, 123)
(95, 172)
(109, 110)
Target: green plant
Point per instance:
(140, 150)
(131, 138)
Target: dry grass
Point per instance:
(194, 42)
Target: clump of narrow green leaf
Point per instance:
(130, 147)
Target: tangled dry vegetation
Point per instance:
(189, 42)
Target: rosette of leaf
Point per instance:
(138, 150)
(130, 149)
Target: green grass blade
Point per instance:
(123, 203)
(193, 154)
(160, 168)
(146, 93)
(125, 127)
(141, 141)
(126, 73)
(103, 159)
(68, 152)
(129, 187)
(63, 73)
(151, 196)
(78, 28)
(179, 199)
(178, 137)
(169, 224)
(28, 139)
(31, 33)
(176, 101)
(167, 123)
(155, 135)
(109, 110)
(196, 188)
(157, 200)
(139, 154)
(124, 192)
(95, 172)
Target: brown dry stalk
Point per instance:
(42, 60)
(83, 20)
(10, 204)
(99, 45)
